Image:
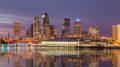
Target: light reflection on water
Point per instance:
(58, 57)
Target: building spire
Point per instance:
(77, 20)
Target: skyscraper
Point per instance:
(36, 28)
(52, 31)
(28, 32)
(78, 28)
(66, 27)
(116, 32)
(94, 32)
(31, 30)
(17, 30)
(46, 30)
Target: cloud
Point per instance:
(7, 18)
(7, 21)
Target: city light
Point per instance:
(60, 33)
(43, 16)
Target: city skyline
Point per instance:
(90, 13)
(59, 33)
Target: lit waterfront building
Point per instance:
(17, 30)
(36, 28)
(106, 38)
(94, 32)
(71, 35)
(52, 31)
(116, 32)
(46, 31)
(66, 27)
(64, 41)
(78, 28)
(85, 33)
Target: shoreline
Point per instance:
(77, 47)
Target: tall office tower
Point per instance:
(31, 30)
(36, 29)
(66, 27)
(28, 32)
(17, 30)
(46, 30)
(116, 32)
(78, 28)
(94, 32)
(52, 31)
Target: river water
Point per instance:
(58, 57)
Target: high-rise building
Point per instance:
(66, 27)
(36, 29)
(17, 30)
(94, 32)
(116, 32)
(46, 30)
(28, 32)
(78, 28)
(52, 31)
(31, 30)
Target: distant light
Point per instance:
(43, 16)
(27, 27)
(77, 20)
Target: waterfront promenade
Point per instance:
(72, 45)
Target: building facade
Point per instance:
(17, 30)
(31, 30)
(78, 28)
(94, 32)
(116, 32)
(28, 32)
(66, 27)
(52, 32)
(36, 29)
(46, 30)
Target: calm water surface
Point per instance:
(58, 57)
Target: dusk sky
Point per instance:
(103, 13)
